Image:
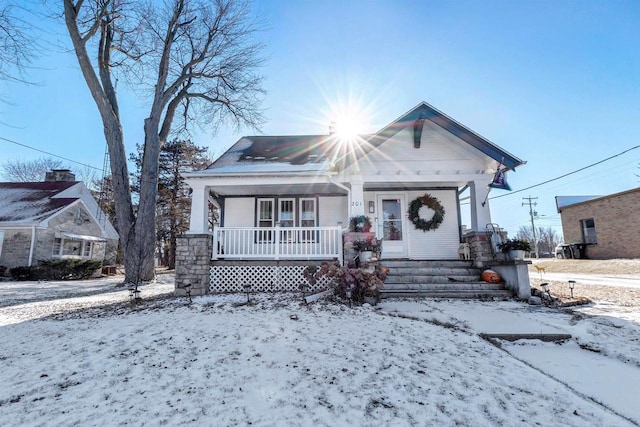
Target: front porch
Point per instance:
(275, 243)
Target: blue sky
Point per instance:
(556, 83)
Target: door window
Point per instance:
(392, 219)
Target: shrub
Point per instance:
(66, 269)
(361, 283)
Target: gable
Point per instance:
(423, 118)
(440, 152)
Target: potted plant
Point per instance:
(360, 224)
(515, 248)
(367, 247)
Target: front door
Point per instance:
(391, 228)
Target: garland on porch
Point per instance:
(432, 203)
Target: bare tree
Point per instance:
(199, 60)
(15, 47)
(29, 170)
(547, 237)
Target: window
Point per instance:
(392, 219)
(71, 248)
(588, 230)
(286, 215)
(265, 218)
(291, 212)
(308, 215)
(287, 218)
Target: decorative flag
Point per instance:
(500, 179)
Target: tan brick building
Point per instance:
(608, 225)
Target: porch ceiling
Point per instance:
(277, 189)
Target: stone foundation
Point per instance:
(193, 260)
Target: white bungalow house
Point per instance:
(287, 198)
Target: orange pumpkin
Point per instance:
(491, 276)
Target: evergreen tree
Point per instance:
(173, 205)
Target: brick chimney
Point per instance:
(57, 175)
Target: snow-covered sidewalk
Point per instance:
(600, 362)
(97, 360)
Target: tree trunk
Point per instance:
(145, 226)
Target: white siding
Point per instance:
(239, 212)
(440, 152)
(441, 243)
(333, 210)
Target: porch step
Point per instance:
(438, 279)
(472, 286)
(462, 294)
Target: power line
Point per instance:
(566, 174)
(49, 154)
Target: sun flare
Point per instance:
(348, 119)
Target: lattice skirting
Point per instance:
(262, 278)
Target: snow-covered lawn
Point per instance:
(99, 360)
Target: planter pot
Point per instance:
(365, 256)
(516, 255)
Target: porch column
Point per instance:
(199, 209)
(357, 196)
(480, 215)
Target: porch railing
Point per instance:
(276, 243)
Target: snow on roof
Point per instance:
(304, 153)
(289, 153)
(29, 202)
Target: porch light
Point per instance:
(134, 293)
(247, 289)
(304, 288)
(572, 284)
(348, 294)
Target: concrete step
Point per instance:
(462, 294)
(429, 264)
(431, 279)
(471, 286)
(438, 271)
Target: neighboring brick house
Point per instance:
(607, 225)
(55, 219)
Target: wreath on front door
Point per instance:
(432, 203)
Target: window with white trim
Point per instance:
(265, 218)
(72, 248)
(308, 215)
(287, 218)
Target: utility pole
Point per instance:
(532, 214)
